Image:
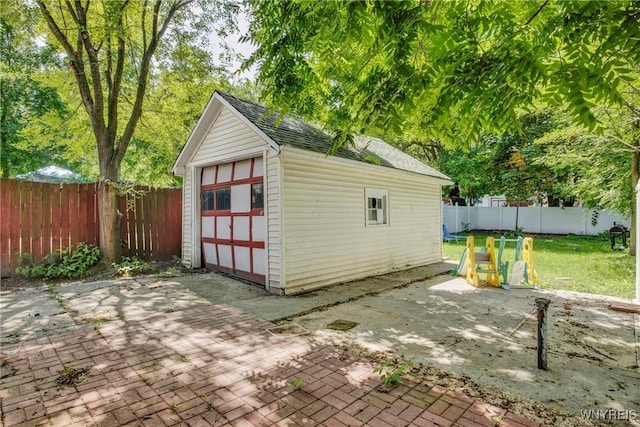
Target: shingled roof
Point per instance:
(294, 132)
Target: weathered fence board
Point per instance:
(14, 217)
(6, 200)
(42, 218)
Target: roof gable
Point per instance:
(297, 133)
(294, 132)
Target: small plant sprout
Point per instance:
(296, 383)
(391, 372)
(98, 321)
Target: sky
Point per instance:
(233, 40)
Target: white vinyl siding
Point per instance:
(228, 136)
(325, 233)
(187, 208)
(274, 222)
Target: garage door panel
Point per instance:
(209, 175)
(241, 198)
(207, 227)
(224, 172)
(225, 260)
(242, 170)
(223, 227)
(210, 256)
(259, 261)
(258, 168)
(233, 225)
(241, 228)
(258, 228)
(242, 258)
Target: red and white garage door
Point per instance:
(233, 221)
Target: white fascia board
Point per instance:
(205, 122)
(249, 123)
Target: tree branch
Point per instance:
(114, 92)
(75, 59)
(537, 12)
(94, 66)
(158, 32)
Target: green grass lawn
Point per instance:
(573, 263)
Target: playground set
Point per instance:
(495, 269)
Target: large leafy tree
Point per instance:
(510, 164)
(23, 94)
(112, 51)
(181, 89)
(457, 69)
(604, 165)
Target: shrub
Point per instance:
(130, 266)
(65, 263)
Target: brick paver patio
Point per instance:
(214, 366)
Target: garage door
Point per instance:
(233, 221)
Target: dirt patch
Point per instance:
(547, 415)
(18, 283)
(101, 271)
(72, 376)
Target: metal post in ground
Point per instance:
(543, 304)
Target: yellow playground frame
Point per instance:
(495, 271)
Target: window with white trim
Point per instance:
(377, 206)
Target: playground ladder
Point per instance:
(482, 263)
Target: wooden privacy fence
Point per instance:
(40, 218)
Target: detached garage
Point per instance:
(263, 201)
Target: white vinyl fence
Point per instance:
(535, 219)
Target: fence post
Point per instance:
(543, 305)
(541, 217)
(586, 214)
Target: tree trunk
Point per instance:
(109, 221)
(108, 206)
(635, 175)
(4, 143)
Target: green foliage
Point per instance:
(130, 87)
(131, 266)
(455, 68)
(66, 263)
(24, 95)
(391, 372)
(57, 295)
(509, 164)
(597, 165)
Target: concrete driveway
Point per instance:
(484, 337)
(490, 335)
